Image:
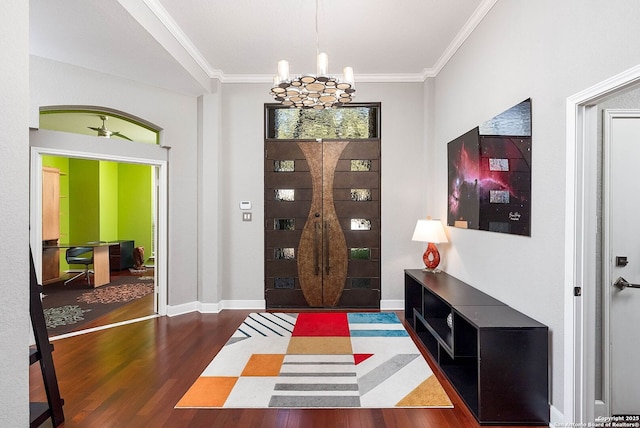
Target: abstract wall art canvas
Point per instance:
(489, 181)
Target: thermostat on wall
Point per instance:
(245, 205)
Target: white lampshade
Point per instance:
(428, 230)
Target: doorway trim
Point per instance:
(581, 241)
(39, 148)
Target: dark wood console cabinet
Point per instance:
(494, 356)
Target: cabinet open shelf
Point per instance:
(495, 357)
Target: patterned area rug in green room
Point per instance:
(318, 360)
(68, 307)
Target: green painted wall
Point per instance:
(84, 200)
(108, 192)
(104, 201)
(135, 219)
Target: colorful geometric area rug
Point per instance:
(318, 360)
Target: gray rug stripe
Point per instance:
(305, 374)
(384, 371)
(233, 340)
(314, 401)
(316, 387)
(318, 363)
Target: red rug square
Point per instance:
(321, 324)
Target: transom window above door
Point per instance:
(354, 122)
(100, 122)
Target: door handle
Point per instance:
(622, 283)
(327, 253)
(317, 238)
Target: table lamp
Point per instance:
(430, 231)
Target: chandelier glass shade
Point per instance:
(317, 91)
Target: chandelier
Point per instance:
(317, 91)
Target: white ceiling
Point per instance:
(183, 44)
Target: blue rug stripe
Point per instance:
(263, 324)
(379, 333)
(373, 318)
(281, 317)
(278, 323)
(254, 328)
(244, 332)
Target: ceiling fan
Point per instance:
(104, 132)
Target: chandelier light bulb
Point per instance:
(317, 91)
(283, 70)
(348, 75)
(323, 64)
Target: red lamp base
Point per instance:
(431, 257)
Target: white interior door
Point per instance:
(622, 214)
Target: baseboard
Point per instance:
(214, 308)
(392, 305)
(209, 308)
(184, 308)
(556, 418)
(258, 305)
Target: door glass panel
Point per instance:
(284, 224)
(285, 195)
(360, 195)
(360, 165)
(284, 253)
(284, 165)
(284, 283)
(360, 282)
(360, 224)
(360, 253)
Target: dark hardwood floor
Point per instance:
(133, 375)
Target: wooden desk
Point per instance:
(101, 270)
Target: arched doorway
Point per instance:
(67, 142)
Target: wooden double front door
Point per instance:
(322, 224)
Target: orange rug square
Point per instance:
(263, 365)
(208, 392)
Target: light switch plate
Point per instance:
(246, 216)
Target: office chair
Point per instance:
(80, 256)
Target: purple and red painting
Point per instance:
(490, 179)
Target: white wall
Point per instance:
(14, 212)
(242, 172)
(54, 83)
(546, 50)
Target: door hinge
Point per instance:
(577, 291)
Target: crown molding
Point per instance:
(360, 78)
(165, 18)
(471, 24)
(187, 45)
